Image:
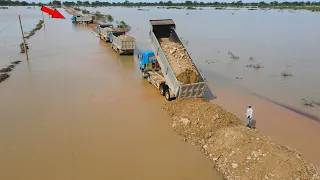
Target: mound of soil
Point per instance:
(237, 152)
(180, 61)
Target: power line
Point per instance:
(8, 26)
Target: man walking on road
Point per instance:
(249, 115)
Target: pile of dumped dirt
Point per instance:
(180, 61)
(125, 38)
(236, 151)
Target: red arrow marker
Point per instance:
(54, 13)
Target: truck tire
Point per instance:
(149, 78)
(167, 95)
(162, 89)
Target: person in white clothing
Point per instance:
(249, 115)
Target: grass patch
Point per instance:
(125, 25)
(232, 56)
(220, 8)
(306, 102)
(285, 74)
(33, 31)
(99, 17)
(77, 9)
(110, 18)
(174, 7)
(22, 49)
(191, 8)
(256, 66)
(84, 11)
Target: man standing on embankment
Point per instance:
(249, 115)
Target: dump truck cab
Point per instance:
(73, 19)
(147, 60)
(103, 26)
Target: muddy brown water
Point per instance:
(279, 41)
(79, 111)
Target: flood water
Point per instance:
(279, 41)
(79, 111)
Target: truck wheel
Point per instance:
(162, 90)
(167, 95)
(149, 78)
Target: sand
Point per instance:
(126, 38)
(180, 61)
(235, 150)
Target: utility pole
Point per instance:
(24, 41)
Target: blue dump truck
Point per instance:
(82, 19)
(155, 66)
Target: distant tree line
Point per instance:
(18, 3)
(24, 3)
(261, 4)
(192, 3)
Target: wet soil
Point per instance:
(236, 151)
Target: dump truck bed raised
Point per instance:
(166, 29)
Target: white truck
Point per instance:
(160, 73)
(122, 44)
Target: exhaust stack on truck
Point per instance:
(174, 72)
